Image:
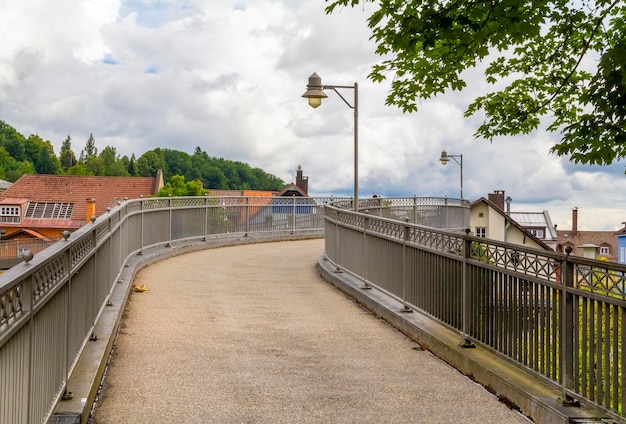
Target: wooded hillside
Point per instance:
(32, 155)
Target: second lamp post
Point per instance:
(315, 94)
(445, 158)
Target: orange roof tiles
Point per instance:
(77, 189)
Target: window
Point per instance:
(537, 232)
(604, 250)
(10, 214)
(481, 232)
(49, 210)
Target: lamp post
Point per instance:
(315, 94)
(445, 158)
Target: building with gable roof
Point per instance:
(488, 219)
(43, 206)
(538, 224)
(588, 244)
(255, 200)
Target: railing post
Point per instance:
(247, 206)
(465, 310)
(293, 215)
(94, 279)
(169, 237)
(142, 225)
(414, 209)
(27, 304)
(206, 217)
(67, 264)
(406, 238)
(366, 226)
(338, 269)
(566, 344)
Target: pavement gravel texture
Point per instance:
(253, 334)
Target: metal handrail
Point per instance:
(558, 316)
(50, 304)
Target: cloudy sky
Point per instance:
(228, 76)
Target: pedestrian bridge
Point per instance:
(540, 330)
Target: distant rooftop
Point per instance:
(538, 220)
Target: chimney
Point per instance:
(90, 209)
(497, 197)
(301, 181)
(575, 222)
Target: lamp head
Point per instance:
(444, 158)
(314, 91)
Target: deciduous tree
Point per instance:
(558, 59)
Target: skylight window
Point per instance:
(37, 210)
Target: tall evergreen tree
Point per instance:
(67, 157)
(132, 166)
(90, 150)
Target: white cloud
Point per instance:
(227, 76)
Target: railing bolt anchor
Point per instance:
(366, 287)
(67, 395)
(93, 337)
(467, 343)
(568, 401)
(405, 309)
(109, 303)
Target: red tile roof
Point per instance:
(77, 189)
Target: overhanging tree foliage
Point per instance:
(560, 59)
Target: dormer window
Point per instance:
(10, 214)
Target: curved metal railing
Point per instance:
(50, 304)
(561, 317)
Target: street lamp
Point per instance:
(445, 158)
(315, 94)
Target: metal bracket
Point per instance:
(466, 343)
(568, 401)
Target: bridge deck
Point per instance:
(252, 334)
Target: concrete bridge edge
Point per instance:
(532, 396)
